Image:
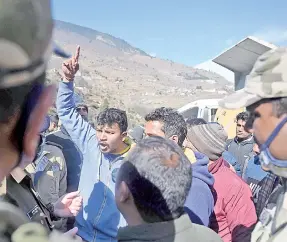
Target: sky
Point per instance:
(185, 31)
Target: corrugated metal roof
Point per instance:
(242, 56)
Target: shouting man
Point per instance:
(102, 150)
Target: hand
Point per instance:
(71, 66)
(68, 205)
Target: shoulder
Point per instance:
(54, 153)
(235, 183)
(229, 142)
(202, 233)
(52, 144)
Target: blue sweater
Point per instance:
(99, 217)
(200, 202)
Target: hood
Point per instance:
(200, 169)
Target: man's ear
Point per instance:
(124, 192)
(124, 135)
(174, 138)
(36, 119)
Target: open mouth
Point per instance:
(103, 146)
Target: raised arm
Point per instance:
(80, 131)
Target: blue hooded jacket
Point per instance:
(232, 161)
(200, 202)
(99, 218)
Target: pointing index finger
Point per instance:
(77, 54)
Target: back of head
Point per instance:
(158, 175)
(209, 139)
(173, 122)
(112, 116)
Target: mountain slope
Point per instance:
(116, 74)
(95, 35)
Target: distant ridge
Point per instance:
(92, 34)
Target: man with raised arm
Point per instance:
(102, 150)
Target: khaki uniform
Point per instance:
(15, 227)
(49, 175)
(18, 190)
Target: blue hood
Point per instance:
(200, 169)
(199, 203)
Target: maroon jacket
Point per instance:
(234, 211)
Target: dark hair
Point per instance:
(194, 121)
(173, 122)
(112, 116)
(242, 116)
(159, 177)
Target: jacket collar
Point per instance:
(247, 141)
(155, 231)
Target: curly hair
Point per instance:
(112, 116)
(173, 122)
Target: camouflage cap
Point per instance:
(268, 79)
(25, 40)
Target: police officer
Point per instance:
(49, 172)
(25, 45)
(265, 98)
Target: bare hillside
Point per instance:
(115, 74)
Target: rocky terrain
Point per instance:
(115, 74)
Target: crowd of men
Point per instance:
(170, 179)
